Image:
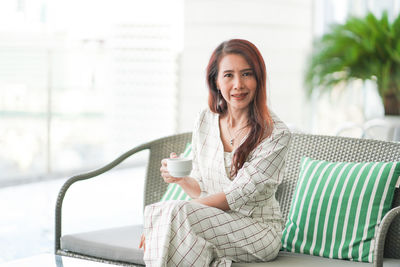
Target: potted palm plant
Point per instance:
(365, 48)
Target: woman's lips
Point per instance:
(239, 96)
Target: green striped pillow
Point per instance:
(174, 191)
(337, 207)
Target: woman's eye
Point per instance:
(228, 75)
(247, 73)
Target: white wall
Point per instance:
(281, 29)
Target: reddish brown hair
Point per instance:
(260, 120)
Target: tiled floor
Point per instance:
(27, 211)
(50, 260)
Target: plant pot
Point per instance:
(391, 104)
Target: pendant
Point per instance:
(231, 142)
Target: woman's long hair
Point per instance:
(260, 121)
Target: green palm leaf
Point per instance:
(365, 48)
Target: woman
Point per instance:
(239, 150)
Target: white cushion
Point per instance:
(117, 244)
(289, 259)
(121, 244)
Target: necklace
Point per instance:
(231, 141)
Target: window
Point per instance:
(80, 85)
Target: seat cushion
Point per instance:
(121, 244)
(289, 259)
(117, 244)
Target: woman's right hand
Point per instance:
(165, 173)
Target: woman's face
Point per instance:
(236, 81)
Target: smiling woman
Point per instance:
(233, 215)
(248, 112)
(236, 82)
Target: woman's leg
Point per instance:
(181, 233)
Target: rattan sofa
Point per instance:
(119, 245)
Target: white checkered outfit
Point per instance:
(184, 233)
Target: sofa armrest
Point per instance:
(85, 176)
(381, 235)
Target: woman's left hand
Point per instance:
(142, 242)
(197, 200)
(217, 200)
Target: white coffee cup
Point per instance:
(179, 167)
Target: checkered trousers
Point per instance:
(183, 233)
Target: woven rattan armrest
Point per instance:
(85, 176)
(381, 235)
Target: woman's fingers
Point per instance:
(164, 163)
(168, 178)
(164, 169)
(165, 175)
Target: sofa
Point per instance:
(119, 245)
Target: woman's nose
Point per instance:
(238, 82)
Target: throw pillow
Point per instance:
(338, 206)
(174, 191)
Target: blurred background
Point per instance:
(83, 81)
